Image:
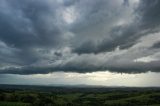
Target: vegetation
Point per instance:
(80, 97)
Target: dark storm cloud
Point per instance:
(38, 36)
(126, 2)
(72, 67)
(146, 18)
(149, 13)
(28, 25)
(122, 36)
(156, 45)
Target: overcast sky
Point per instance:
(79, 37)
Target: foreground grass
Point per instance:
(14, 104)
(108, 98)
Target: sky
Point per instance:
(94, 42)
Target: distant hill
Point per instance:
(73, 88)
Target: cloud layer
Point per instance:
(38, 36)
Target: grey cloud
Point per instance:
(28, 25)
(156, 45)
(82, 67)
(149, 13)
(145, 18)
(38, 36)
(126, 2)
(122, 36)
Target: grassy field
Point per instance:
(80, 97)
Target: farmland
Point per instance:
(78, 96)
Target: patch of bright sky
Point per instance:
(145, 59)
(69, 15)
(95, 78)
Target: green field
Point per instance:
(80, 97)
(25, 98)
